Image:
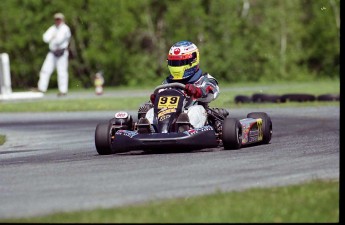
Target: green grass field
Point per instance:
(312, 202)
(2, 139)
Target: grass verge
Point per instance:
(69, 105)
(2, 139)
(225, 99)
(315, 201)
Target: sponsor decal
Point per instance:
(121, 115)
(261, 135)
(198, 130)
(246, 129)
(190, 48)
(190, 132)
(177, 51)
(245, 138)
(165, 111)
(253, 139)
(164, 117)
(246, 121)
(127, 133)
(253, 133)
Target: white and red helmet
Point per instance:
(183, 60)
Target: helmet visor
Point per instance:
(181, 60)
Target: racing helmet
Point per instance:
(183, 60)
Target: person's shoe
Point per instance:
(144, 126)
(60, 94)
(183, 123)
(36, 90)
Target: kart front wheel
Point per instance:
(232, 133)
(102, 138)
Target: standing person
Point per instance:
(58, 37)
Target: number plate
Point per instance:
(168, 102)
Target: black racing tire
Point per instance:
(232, 134)
(272, 98)
(242, 99)
(102, 138)
(257, 98)
(328, 97)
(265, 98)
(266, 125)
(297, 98)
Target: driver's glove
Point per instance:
(193, 91)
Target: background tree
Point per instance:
(239, 40)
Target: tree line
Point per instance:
(239, 40)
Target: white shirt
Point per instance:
(57, 37)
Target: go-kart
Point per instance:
(171, 129)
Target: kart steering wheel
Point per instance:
(163, 86)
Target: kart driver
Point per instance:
(183, 64)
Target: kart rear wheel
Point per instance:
(266, 125)
(102, 138)
(232, 133)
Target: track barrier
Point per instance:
(5, 82)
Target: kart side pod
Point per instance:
(256, 128)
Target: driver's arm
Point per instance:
(209, 89)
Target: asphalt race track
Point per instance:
(49, 162)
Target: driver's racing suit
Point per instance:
(205, 89)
